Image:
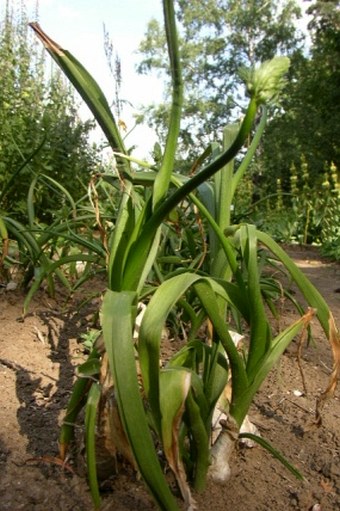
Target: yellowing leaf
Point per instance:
(174, 388)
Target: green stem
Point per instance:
(140, 249)
(163, 177)
(209, 170)
(250, 153)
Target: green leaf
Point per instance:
(274, 452)
(310, 293)
(75, 405)
(201, 440)
(125, 223)
(90, 440)
(209, 302)
(118, 314)
(240, 402)
(260, 335)
(166, 296)
(89, 368)
(163, 177)
(87, 88)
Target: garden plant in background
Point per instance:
(168, 405)
(307, 214)
(40, 148)
(32, 252)
(48, 140)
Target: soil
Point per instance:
(37, 363)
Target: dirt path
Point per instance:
(37, 360)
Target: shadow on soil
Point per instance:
(41, 403)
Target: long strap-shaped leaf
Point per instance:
(260, 331)
(311, 294)
(117, 329)
(151, 332)
(201, 439)
(87, 88)
(75, 405)
(90, 426)
(223, 181)
(175, 385)
(155, 315)
(240, 402)
(209, 301)
(274, 452)
(162, 180)
(315, 300)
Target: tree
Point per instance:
(217, 38)
(40, 131)
(309, 123)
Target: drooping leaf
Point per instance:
(274, 452)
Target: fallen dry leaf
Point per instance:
(327, 486)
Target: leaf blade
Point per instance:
(117, 331)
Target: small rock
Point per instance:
(11, 286)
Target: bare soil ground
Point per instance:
(37, 361)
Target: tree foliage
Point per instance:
(217, 38)
(40, 131)
(309, 122)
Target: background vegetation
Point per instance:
(41, 133)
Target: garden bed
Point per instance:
(37, 361)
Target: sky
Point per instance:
(77, 25)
